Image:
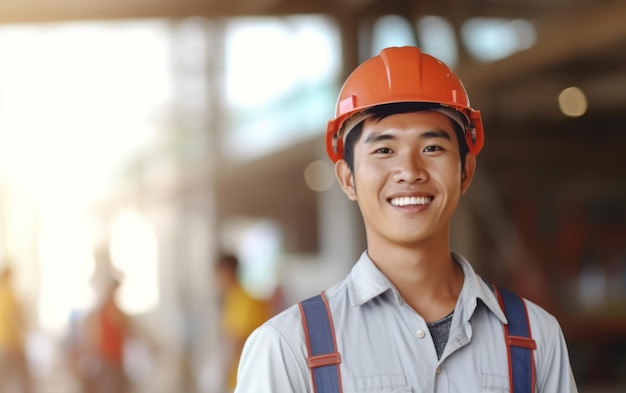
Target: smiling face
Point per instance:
(407, 178)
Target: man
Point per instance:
(411, 316)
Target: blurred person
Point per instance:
(14, 371)
(109, 328)
(411, 316)
(241, 313)
(100, 335)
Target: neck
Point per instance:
(427, 278)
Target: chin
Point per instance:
(405, 239)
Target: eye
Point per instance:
(383, 150)
(432, 149)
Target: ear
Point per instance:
(346, 179)
(468, 172)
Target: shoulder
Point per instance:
(545, 328)
(285, 329)
(554, 373)
(542, 322)
(274, 356)
(539, 316)
(277, 338)
(286, 324)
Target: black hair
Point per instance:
(379, 112)
(228, 262)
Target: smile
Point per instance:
(411, 201)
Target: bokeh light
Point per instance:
(573, 102)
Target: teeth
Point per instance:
(405, 201)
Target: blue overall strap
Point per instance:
(519, 341)
(323, 360)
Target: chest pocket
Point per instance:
(376, 384)
(494, 383)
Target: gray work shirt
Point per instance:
(385, 345)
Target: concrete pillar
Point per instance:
(342, 237)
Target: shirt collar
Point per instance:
(475, 288)
(366, 282)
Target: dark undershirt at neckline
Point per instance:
(440, 330)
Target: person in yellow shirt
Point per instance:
(13, 364)
(241, 313)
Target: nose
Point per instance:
(409, 169)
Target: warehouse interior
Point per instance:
(170, 131)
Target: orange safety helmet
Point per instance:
(402, 74)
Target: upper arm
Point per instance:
(270, 364)
(553, 369)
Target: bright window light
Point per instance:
(66, 265)
(279, 81)
(437, 38)
(78, 100)
(491, 39)
(391, 30)
(134, 254)
(268, 57)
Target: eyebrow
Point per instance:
(377, 137)
(435, 134)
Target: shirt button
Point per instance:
(438, 370)
(420, 334)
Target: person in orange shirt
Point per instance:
(112, 327)
(104, 332)
(13, 362)
(241, 313)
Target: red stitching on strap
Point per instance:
(324, 360)
(524, 342)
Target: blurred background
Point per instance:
(140, 139)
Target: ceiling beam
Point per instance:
(34, 11)
(30, 11)
(578, 33)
